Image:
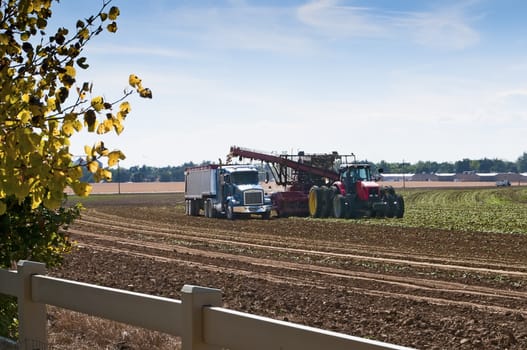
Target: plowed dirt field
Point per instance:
(423, 288)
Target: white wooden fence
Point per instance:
(198, 318)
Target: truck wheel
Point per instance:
(230, 212)
(208, 209)
(193, 207)
(314, 202)
(197, 207)
(266, 215)
(338, 206)
(399, 212)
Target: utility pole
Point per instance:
(403, 164)
(118, 178)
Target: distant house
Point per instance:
(472, 176)
(446, 176)
(397, 177)
(512, 177)
(468, 176)
(425, 177)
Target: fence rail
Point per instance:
(198, 318)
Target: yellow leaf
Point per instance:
(100, 129)
(81, 189)
(77, 125)
(52, 203)
(103, 174)
(118, 127)
(125, 108)
(108, 125)
(134, 80)
(145, 93)
(97, 103)
(93, 166)
(67, 128)
(52, 105)
(99, 147)
(84, 33)
(4, 40)
(114, 12)
(24, 116)
(88, 150)
(36, 202)
(75, 173)
(112, 27)
(70, 70)
(114, 157)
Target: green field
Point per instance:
(502, 210)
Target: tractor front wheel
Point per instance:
(399, 206)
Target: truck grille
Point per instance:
(253, 197)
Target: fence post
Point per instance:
(31, 316)
(193, 299)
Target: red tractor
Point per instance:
(326, 185)
(355, 194)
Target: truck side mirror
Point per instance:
(266, 177)
(227, 178)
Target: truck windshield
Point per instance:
(245, 178)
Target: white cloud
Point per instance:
(253, 28)
(327, 16)
(446, 28)
(150, 51)
(443, 30)
(513, 93)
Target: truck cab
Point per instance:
(242, 192)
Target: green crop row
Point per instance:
(502, 210)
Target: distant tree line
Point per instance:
(147, 173)
(177, 173)
(484, 165)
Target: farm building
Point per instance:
(462, 177)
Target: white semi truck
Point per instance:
(229, 191)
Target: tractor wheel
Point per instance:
(350, 210)
(399, 206)
(314, 202)
(338, 206)
(326, 202)
(390, 210)
(332, 193)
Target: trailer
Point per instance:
(326, 185)
(225, 191)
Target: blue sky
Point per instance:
(388, 80)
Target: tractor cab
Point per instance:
(358, 179)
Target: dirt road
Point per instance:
(427, 289)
